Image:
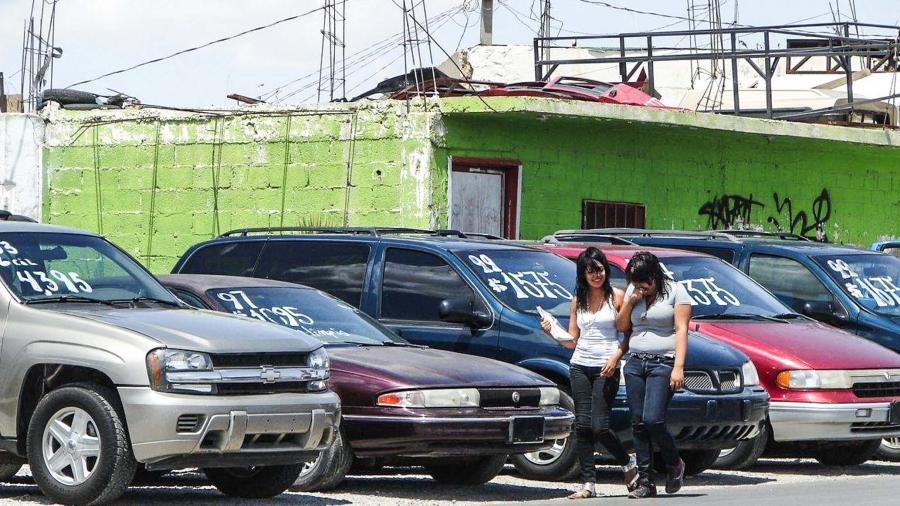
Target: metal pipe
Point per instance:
(487, 22)
(734, 77)
(768, 69)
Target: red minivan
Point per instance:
(833, 395)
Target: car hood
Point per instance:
(199, 330)
(415, 367)
(706, 353)
(802, 344)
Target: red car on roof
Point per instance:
(831, 391)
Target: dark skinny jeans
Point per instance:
(593, 395)
(647, 385)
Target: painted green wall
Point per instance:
(156, 185)
(676, 170)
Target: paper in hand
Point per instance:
(556, 330)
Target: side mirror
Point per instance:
(463, 311)
(823, 311)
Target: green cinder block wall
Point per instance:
(688, 177)
(156, 184)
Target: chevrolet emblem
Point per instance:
(269, 375)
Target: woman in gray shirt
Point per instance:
(655, 312)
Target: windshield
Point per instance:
(309, 311)
(524, 280)
(872, 280)
(45, 266)
(717, 288)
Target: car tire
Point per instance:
(697, 461)
(7, 471)
(889, 450)
(92, 411)
(65, 96)
(255, 482)
(851, 453)
(328, 470)
(746, 453)
(559, 463)
(467, 471)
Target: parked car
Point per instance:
(458, 415)
(479, 297)
(799, 272)
(891, 247)
(103, 370)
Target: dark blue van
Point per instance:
(451, 291)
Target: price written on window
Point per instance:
(706, 292)
(524, 284)
(882, 289)
(48, 282)
(239, 303)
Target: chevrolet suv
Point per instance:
(103, 371)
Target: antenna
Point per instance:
(38, 53)
(334, 32)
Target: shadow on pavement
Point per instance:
(809, 467)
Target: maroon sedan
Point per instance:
(457, 415)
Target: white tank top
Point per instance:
(598, 338)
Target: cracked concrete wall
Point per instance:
(157, 182)
(21, 138)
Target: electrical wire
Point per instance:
(196, 48)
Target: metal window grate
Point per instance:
(606, 214)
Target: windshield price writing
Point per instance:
(525, 284)
(879, 288)
(705, 291)
(47, 283)
(240, 303)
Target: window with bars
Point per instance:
(605, 214)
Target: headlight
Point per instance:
(164, 366)
(810, 379)
(318, 359)
(748, 371)
(549, 396)
(443, 398)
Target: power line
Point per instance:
(195, 48)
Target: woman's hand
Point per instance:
(609, 368)
(676, 379)
(636, 296)
(545, 324)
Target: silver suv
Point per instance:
(104, 372)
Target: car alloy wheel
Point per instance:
(71, 446)
(547, 456)
(308, 467)
(891, 442)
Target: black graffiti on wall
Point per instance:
(735, 211)
(728, 211)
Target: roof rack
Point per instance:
(640, 232)
(788, 236)
(585, 236)
(371, 231)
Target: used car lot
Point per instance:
(479, 297)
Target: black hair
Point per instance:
(645, 267)
(588, 258)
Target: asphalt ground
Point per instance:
(771, 482)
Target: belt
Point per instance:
(652, 356)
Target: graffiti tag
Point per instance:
(735, 211)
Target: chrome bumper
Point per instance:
(229, 426)
(806, 421)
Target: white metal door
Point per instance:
(476, 202)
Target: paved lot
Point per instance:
(779, 481)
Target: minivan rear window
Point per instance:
(872, 280)
(338, 268)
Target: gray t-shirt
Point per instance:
(653, 331)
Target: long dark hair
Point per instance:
(645, 267)
(586, 259)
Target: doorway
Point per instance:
(484, 196)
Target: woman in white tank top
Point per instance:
(593, 370)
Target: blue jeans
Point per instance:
(593, 395)
(647, 386)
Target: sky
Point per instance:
(281, 63)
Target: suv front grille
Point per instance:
(886, 389)
(287, 387)
(289, 359)
(500, 398)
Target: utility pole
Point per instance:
(487, 22)
(545, 30)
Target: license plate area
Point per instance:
(526, 429)
(894, 414)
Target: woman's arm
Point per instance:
(610, 367)
(623, 317)
(573, 326)
(682, 317)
